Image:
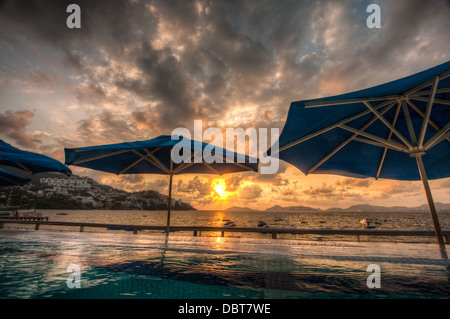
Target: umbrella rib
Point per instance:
(424, 99)
(136, 162)
(411, 91)
(243, 166)
(371, 142)
(156, 160)
(438, 137)
(164, 169)
(150, 161)
(309, 104)
(92, 158)
(24, 167)
(185, 165)
(337, 124)
(389, 125)
(412, 134)
(428, 111)
(392, 144)
(211, 168)
(428, 92)
(419, 111)
(154, 150)
(131, 165)
(383, 156)
(334, 151)
(9, 180)
(426, 83)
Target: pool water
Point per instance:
(34, 264)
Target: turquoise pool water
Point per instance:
(33, 264)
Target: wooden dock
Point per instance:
(197, 230)
(23, 218)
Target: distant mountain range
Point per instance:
(364, 208)
(239, 209)
(292, 208)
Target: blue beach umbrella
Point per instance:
(398, 130)
(155, 157)
(10, 179)
(29, 161)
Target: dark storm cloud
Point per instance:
(105, 127)
(164, 80)
(251, 192)
(414, 25)
(109, 24)
(195, 187)
(230, 57)
(412, 38)
(184, 60)
(13, 126)
(91, 93)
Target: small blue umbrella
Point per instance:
(398, 130)
(10, 179)
(155, 157)
(29, 161)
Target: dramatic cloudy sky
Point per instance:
(138, 69)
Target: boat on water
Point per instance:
(8, 210)
(367, 223)
(262, 224)
(229, 224)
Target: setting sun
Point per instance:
(219, 187)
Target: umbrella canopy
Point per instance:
(155, 157)
(383, 131)
(29, 161)
(10, 179)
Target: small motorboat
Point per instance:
(125, 229)
(229, 224)
(262, 224)
(367, 223)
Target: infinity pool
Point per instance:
(34, 264)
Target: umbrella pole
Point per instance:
(426, 186)
(169, 205)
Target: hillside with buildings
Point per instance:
(51, 191)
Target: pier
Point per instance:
(197, 230)
(23, 218)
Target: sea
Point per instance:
(277, 219)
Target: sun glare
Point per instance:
(219, 187)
